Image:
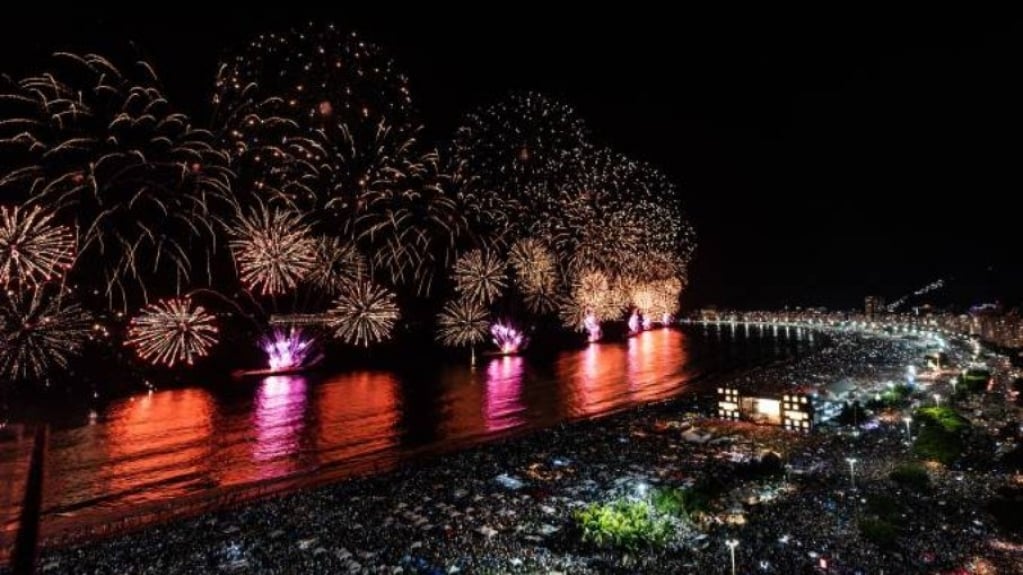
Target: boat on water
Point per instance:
(269, 371)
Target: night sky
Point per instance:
(821, 158)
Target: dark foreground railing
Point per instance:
(26, 543)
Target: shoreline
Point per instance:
(60, 532)
(70, 527)
(507, 506)
(230, 498)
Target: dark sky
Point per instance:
(821, 157)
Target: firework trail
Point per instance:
(322, 120)
(102, 150)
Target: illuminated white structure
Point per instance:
(728, 403)
(792, 411)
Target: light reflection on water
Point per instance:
(168, 444)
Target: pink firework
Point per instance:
(288, 349)
(634, 322)
(507, 338)
(592, 325)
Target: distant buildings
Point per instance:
(873, 306)
(988, 323)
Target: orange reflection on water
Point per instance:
(502, 408)
(652, 356)
(463, 392)
(163, 438)
(356, 415)
(179, 442)
(594, 384)
(611, 375)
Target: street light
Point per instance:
(852, 469)
(732, 544)
(937, 400)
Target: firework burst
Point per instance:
(410, 225)
(534, 265)
(665, 301)
(337, 265)
(172, 331)
(542, 301)
(462, 322)
(40, 332)
(323, 120)
(479, 276)
(32, 249)
(363, 314)
(610, 213)
(273, 248)
(536, 274)
(102, 149)
(499, 150)
(592, 298)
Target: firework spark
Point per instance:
(499, 150)
(364, 313)
(596, 294)
(289, 349)
(103, 150)
(40, 332)
(172, 331)
(592, 326)
(479, 276)
(462, 322)
(534, 265)
(273, 248)
(542, 301)
(593, 298)
(32, 249)
(323, 120)
(337, 265)
(635, 324)
(508, 338)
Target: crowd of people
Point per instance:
(509, 507)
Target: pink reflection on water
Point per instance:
(279, 417)
(502, 407)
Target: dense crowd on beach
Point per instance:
(508, 507)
